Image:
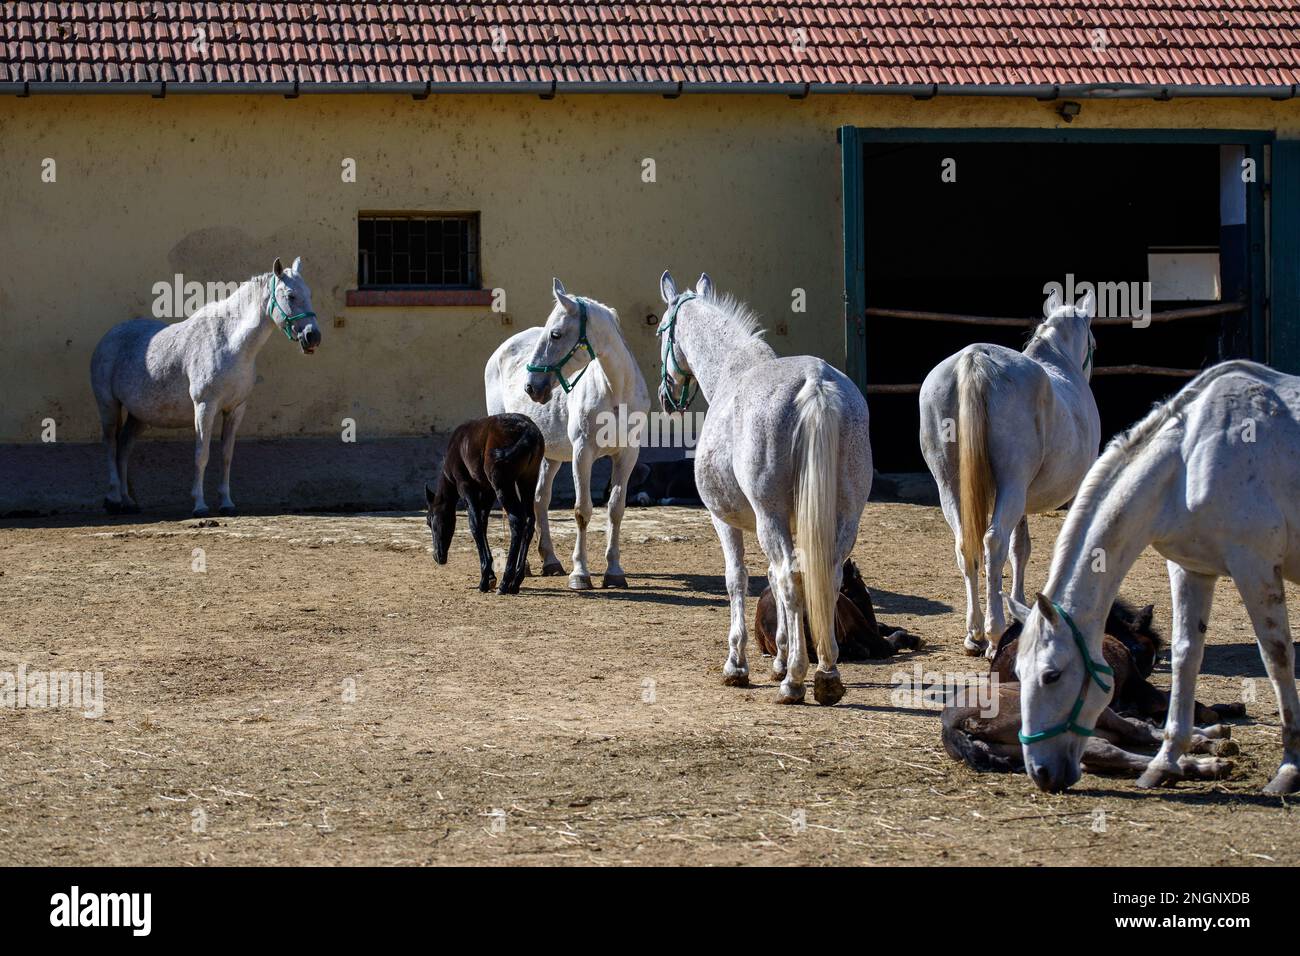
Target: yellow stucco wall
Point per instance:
(215, 187)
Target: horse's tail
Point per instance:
(817, 452)
(975, 484)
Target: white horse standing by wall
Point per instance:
(186, 373)
(785, 453)
(1209, 479)
(1008, 434)
(582, 347)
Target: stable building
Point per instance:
(884, 182)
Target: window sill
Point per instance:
(418, 297)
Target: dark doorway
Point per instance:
(1019, 216)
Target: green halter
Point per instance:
(274, 306)
(681, 401)
(558, 367)
(1094, 670)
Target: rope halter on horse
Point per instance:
(1094, 669)
(285, 323)
(681, 401)
(558, 367)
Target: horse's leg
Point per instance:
(1262, 590)
(126, 439)
(477, 510)
(1192, 595)
(516, 512)
(1007, 513)
(110, 420)
(782, 636)
(774, 537)
(735, 673)
(228, 428)
(1019, 560)
(542, 502)
(623, 464)
(205, 416)
(970, 571)
(583, 458)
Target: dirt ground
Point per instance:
(323, 693)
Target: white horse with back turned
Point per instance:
(785, 453)
(1008, 434)
(582, 347)
(1208, 479)
(186, 373)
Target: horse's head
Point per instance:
(1072, 322)
(441, 518)
(675, 393)
(1063, 692)
(563, 351)
(288, 306)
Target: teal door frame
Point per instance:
(1275, 340)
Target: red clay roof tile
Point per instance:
(876, 42)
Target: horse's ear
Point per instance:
(704, 288)
(1018, 611)
(430, 496)
(1053, 300)
(563, 297)
(296, 268)
(1045, 608)
(1087, 305)
(1145, 617)
(278, 268)
(667, 288)
(557, 287)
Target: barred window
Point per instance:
(418, 251)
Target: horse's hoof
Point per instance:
(227, 511)
(827, 687)
(778, 676)
(487, 584)
(738, 679)
(1154, 777)
(791, 693)
(972, 647)
(1286, 781)
(579, 582)
(902, 640)
(614, 581)
(200, 512)
(1230, 711)
(552, 569)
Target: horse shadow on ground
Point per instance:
(885, 602)
(1232, 660)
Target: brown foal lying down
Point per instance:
(990, 743)
(859, 636)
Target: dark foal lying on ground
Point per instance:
(987, 739)
(489, 459)
(857, 633)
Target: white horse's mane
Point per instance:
(1045, 326)
(739, 315)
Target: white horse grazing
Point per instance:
(185, 373)
(1209, 479)
(582, 346)
(785, 453)
(1007, 434)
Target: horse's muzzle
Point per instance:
(1052, 777)
(538, 387)
(309, 339)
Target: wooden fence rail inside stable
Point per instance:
(1170, 315)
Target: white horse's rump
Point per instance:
(185, 373)
(784, 452)
(570, 420)
(1209, 480)
(1007, 434)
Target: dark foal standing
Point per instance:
(859, 636)
(489, 459)
(988, 743)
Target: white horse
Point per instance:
(1007, 434)
(785, 453)
(1209, 479)
(187, 372)
(582, 346)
